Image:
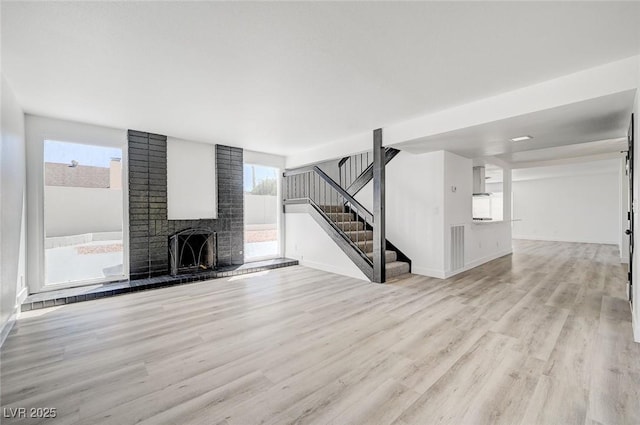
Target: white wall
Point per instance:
(414, 209)
(636, 218)
(483, 241)
(414, 218)
(579, 208)
(37, 130)
(308, 243)
(266, 159)
(331, 169)
(191, 180)
(421, 208)
(458, 198)
(79, 210)
(12, 211)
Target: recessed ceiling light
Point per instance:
(521, 138)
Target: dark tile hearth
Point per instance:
(87, 293)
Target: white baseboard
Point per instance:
(333, 269)
(441, 274)
(22, 296)
(547, 239)
(7, 326)
(635, 325)
(479, 262)
(424, 271)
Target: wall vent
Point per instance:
(457, 247)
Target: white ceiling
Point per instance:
(574, 153)
(607, 166)
(493, 173)
(285, 77)
(576, 124)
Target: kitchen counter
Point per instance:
(492, 221)
(488, 221)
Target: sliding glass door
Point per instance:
(83, 213)
(261, 212)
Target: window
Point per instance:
(83, 213)
(261, 212)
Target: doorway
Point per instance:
(83, 214)
(261, 212)
(630, 214)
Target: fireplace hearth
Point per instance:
(192, 251)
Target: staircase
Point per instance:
(355, 230)
(356, 171)
(346, 221)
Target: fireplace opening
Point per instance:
(192, 251)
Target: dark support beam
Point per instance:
(379, 237)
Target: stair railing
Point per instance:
(356, 171)
(311, 185)
(351, 167)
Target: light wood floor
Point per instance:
(540, 337)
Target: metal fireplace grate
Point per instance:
(193, 251)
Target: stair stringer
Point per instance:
(339, 237)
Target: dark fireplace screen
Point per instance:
(192, 251)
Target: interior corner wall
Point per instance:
(422, 206)
(573, 208)
(458, 199)
(308, 243)
(12, 211)
(483, 242)
(414, 190)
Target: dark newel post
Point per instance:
(379, 238)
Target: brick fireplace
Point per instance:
(149, 228)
